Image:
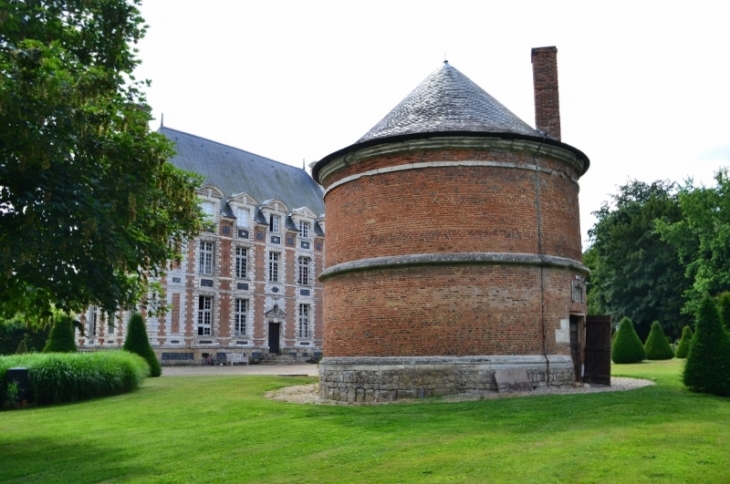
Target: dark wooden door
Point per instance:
(274, 338)
(598, 350)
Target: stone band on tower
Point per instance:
(454, 251)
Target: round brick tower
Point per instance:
(453, 258)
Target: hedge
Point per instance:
(657, 346)
(138, 342)
(627, 347)
(62, 338)
(708, 364)
(68, 377)
(684, 343)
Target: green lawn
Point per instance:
(221, 429)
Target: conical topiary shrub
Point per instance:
(137, 342)
(22, 348)
(724, 303)
(627, 347)
(61, 339)
(657, 346)
(684, 343)
(708, 364)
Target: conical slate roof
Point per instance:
(445, 101)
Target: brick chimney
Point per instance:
(547, 99)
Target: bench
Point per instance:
(232, 358)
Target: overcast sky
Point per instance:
(644, 85)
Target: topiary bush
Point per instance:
(724, 304)
(62, 338)
(657, 346)
(708, 364)
(137, 342)
(684, 343)
(627, 347)
(13, 331)
(22, 348)
(68, 377)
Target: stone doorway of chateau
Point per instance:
(274, 337)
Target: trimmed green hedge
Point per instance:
(684, 343)
(708, 364)
(627, 347)
(62, 336)
(13, 331)
(138, 342)
(657, 346)
(68, 377)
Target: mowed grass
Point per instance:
(222, 429)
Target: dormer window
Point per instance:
(303, 229)
(274, 223)
(208, 210)
(242, 217)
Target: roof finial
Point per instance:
(162, 120)
(303, 164)
(445, 60)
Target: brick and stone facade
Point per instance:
(454, 253)
(249, 283)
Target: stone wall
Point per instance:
(365, 380)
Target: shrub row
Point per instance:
(68, 377)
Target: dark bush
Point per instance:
(684, 343)
(708, 364)
(627, 347)
(657, 346)
(22, 348)
(68, 377)
(138, 342)
(724, 304)
(61, 339)
(13, 331)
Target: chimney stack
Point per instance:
(547, 100)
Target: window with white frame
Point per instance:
(239, 316)
(304, 268)
(208, 209)
(93, 318)
(273, 267)
(303, 330)
(303, 229)
(274, 223)
(110, 327)
(241, 262)
(205, 265)
(242, 217)
(205, 315)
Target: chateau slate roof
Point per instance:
(447, 100)
(236, 171)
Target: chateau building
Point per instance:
(454, 254)
(249, 283)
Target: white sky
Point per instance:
(644, 85)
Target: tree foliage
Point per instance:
(708, 364)
(89, 205)
(724, 303)
(634, 273)
(684, 343)
(61, 339)
(701, 237)
(138, 342)
(656, 345)
(626, 346)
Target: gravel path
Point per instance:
(310, 393)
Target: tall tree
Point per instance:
(701, 237)
(634, 272)
(89, 205)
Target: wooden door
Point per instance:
(274, 338)
(598, 350)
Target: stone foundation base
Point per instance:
(365, 379)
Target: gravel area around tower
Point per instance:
(310, 393)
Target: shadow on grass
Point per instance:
(48, 460)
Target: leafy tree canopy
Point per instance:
(634, 272)
(701, 237)
(89, 205)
